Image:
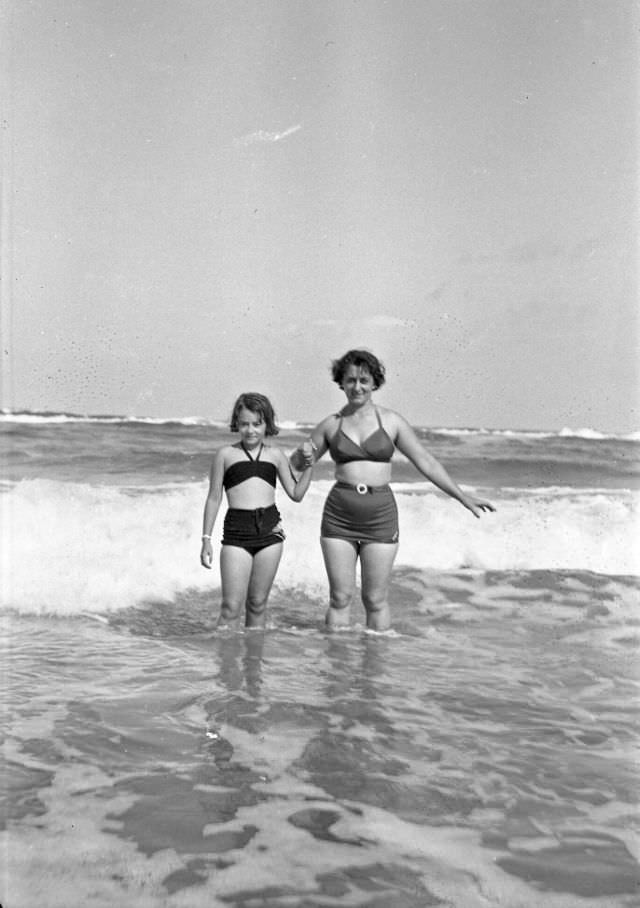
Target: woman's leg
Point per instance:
(235, 572)
(376, 562)
(263, 572)
(340, 558)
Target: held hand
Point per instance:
(307, 451)
(297, 460)
(206, 554)
(477, 505)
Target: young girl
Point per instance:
(252, 535)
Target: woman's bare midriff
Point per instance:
(368, 471)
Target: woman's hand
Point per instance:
(308, 452)
(206, 554)
(476, 505)
(304, 456)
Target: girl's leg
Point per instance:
(263, 572)
(376, 562)
(340, 558)
(235, 572)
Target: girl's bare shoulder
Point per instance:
(272, 453)
(225, 453)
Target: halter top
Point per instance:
(246, 469)
(377, 447)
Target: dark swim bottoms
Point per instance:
(368, 515)
(252, 530)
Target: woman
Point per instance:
(360, 517)
(252, 535)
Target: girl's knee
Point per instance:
(229, 611)
(256, 606)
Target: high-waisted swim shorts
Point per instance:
(252, 530)
(360, 514)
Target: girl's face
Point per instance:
(252, 428)
(357, 384)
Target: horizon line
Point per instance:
(45, 414)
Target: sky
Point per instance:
(204, 197)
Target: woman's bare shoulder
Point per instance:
(330, 419)
(392, 417)
(328, 425)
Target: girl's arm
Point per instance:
(296, 489)
(409, 444)
(211, 507)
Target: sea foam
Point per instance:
(69, 548)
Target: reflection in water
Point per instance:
(353, 755)
(356, 663)
(497, 741)
(239, 658)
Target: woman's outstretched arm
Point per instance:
(409, 444)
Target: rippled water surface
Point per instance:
(483, 753)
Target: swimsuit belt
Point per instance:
(361, 487)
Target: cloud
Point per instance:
(389, 321)
(384, 322)
(263, 137)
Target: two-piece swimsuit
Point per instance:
(358, 512)
(256, 528)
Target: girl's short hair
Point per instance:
(364, 360)
(256, 403)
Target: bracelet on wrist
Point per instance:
(206, 536)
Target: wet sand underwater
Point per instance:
(482, 753)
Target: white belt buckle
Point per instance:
(362, 489)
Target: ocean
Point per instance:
(482, 753)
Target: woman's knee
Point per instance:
(375, 600)
(340, 599)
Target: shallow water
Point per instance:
(481, 753)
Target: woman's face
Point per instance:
(357, 384)
(252, 427)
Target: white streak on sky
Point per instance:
(261, 136)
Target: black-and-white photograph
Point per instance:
(320, 454)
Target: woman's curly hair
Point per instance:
(362, 359)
